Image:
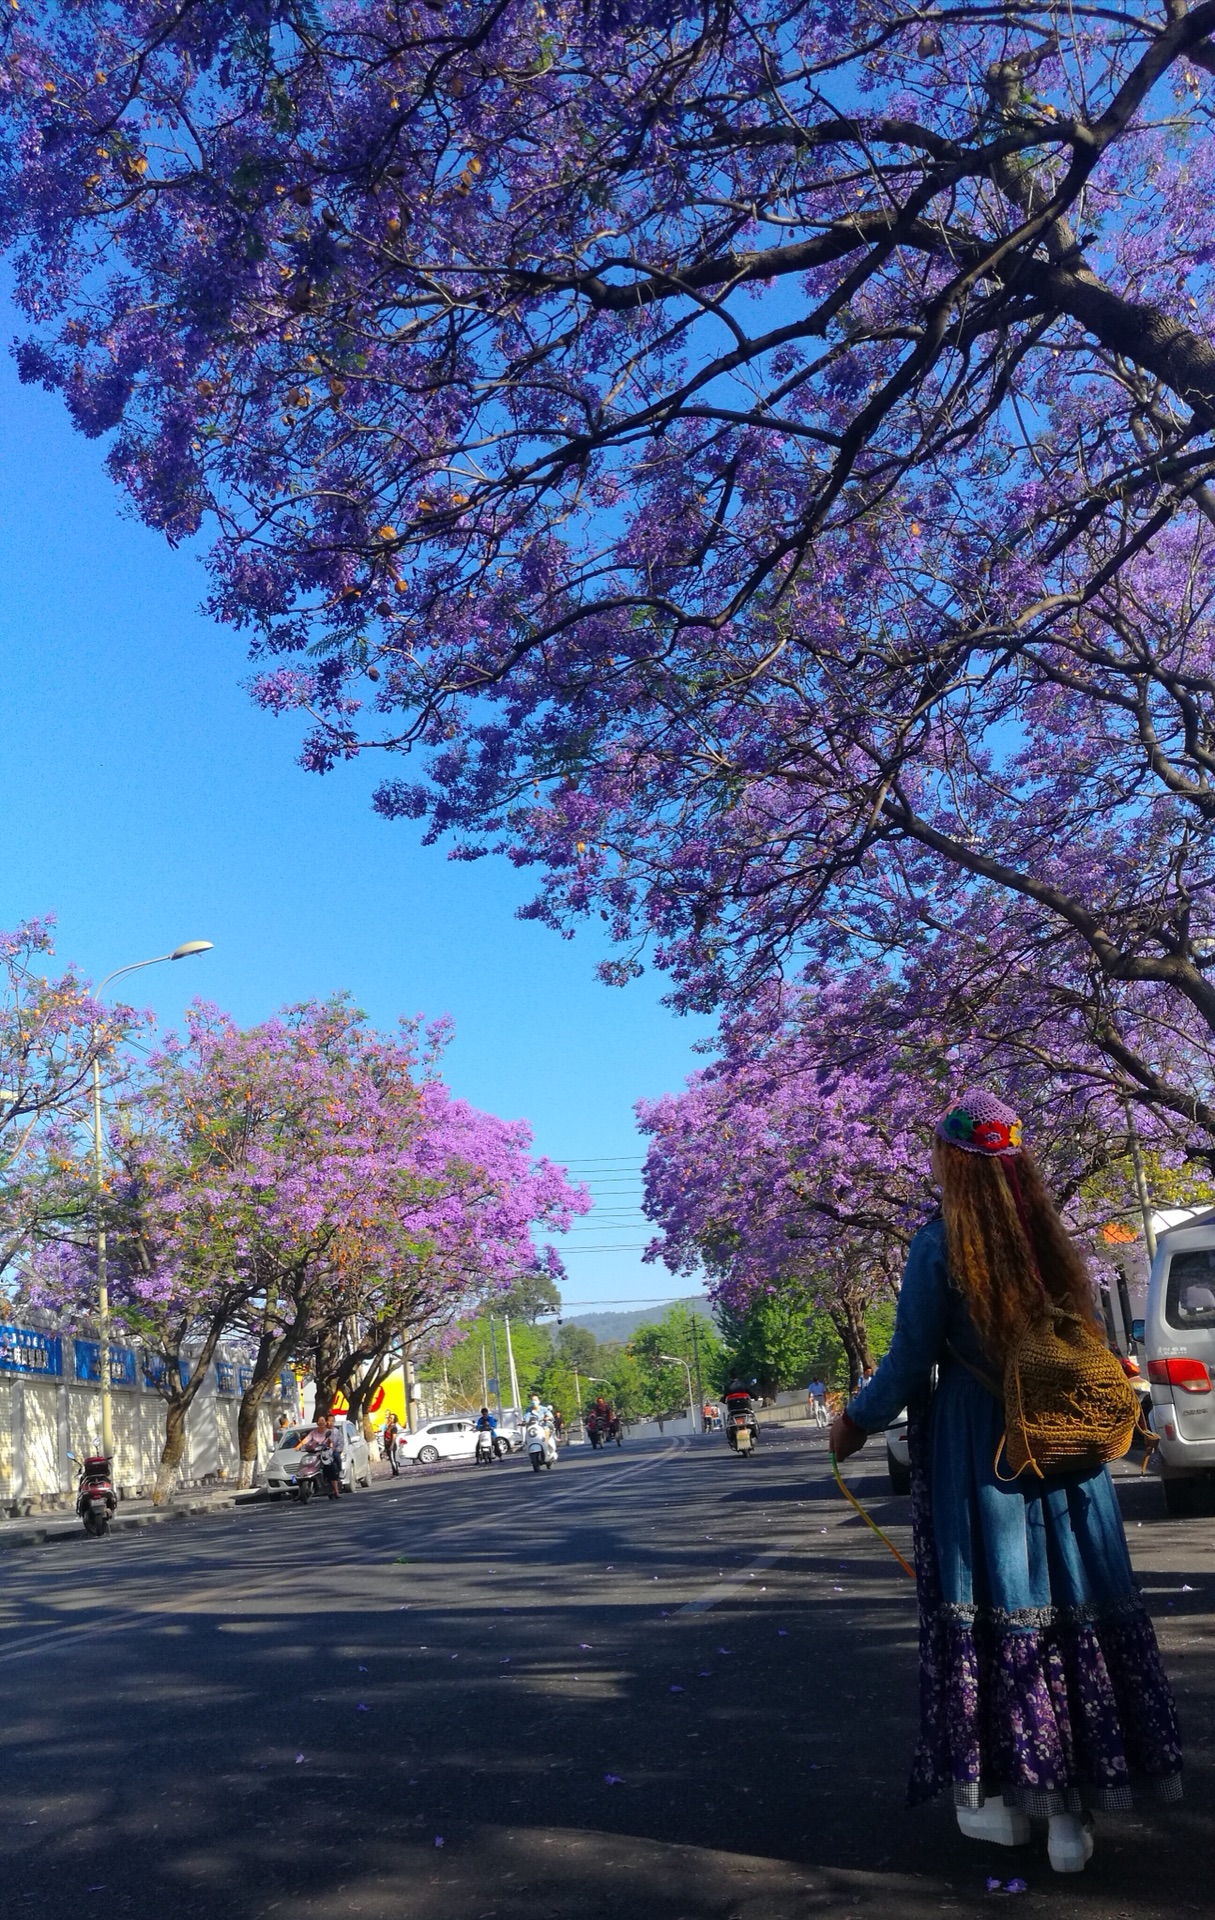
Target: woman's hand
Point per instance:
(846, 1437)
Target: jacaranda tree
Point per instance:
(797, 1164)
(275, 1181)
(758, 459)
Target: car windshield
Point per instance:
(291, 1437)
(1189, 1300)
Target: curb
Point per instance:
(51, 1532)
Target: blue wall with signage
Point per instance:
(123, 1369)
(28, 1350)
(156, 1369)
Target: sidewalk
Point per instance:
(40, 1529)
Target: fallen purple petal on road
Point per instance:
(362, 1707)
(1187, 1589)
(723, 1649)
(1016, 1886)
(585, 1646)
(362, 1669)
(299, 1759)
(675, 1689)
(613, 1780)
(993, 1885)
(782, 1633)
(439, 1840)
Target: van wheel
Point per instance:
(900, 1476)
(1180, 1498)
(427, 1456)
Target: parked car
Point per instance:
(282, 1464)
(1178, 1332)
(898, 1460)
(452, 1436)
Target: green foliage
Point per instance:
(772, 1343)
(662, 1383)
(531, 1296)
(459, 1366)
(625, 1382)
(784, 1341)
(579, 1348)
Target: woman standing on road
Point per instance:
(1041, 1686)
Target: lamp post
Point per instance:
(183, 952)
(675, 1361)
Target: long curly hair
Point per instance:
(1009, 1252)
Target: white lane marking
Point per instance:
(737, 1583)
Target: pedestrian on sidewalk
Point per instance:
(389, 1442)
(816, 1394)
(1042, 1691)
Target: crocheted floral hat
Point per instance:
(979, 1123)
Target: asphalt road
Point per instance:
(655, 1683)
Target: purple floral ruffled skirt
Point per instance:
(1055, 1708)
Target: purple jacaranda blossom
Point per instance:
(289, 1180)
(847, 618)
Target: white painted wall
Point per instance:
(43, 1421)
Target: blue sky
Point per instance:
(146, 801)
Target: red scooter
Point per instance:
(96, 1500)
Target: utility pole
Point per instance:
(510, 1359)
(700, 1392)
(493, 1341)
(484, 1379)
(411, 1411)
(103, 1292)
(1141, 1188)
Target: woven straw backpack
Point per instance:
(1068, 1405)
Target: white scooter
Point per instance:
(540, 1443)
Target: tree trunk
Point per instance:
(849, 1322)
(325, 1368)
(273, 1353)
(246, 1428)
(173, 1450)
(179, 1402)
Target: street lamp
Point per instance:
(183, 952)
(676, 1361)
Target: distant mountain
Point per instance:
(622, 1326)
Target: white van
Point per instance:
(1178, 1332)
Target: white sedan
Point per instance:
(898, 1461)
(452, 1436)
(283, 1462)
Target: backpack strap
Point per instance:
(980, 1374)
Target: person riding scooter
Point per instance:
(539, 1418)
(489, 1446)
(740, 1415)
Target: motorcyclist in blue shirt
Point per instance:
(487, 1422)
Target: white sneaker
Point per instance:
(1002, 1826)
(1069, 1843)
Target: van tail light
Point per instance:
(1190, 1375)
